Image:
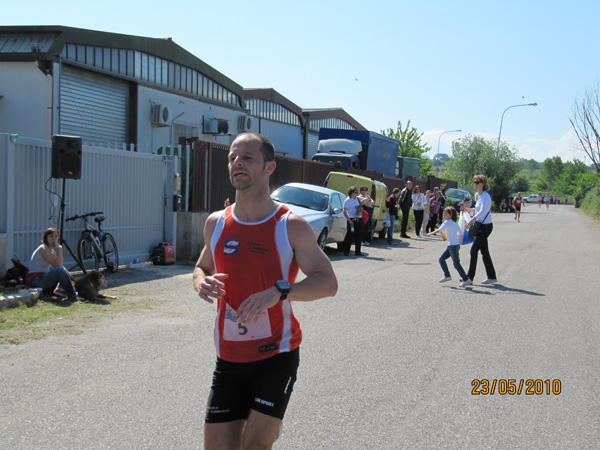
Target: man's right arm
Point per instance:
(207, 283)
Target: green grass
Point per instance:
(40, 312)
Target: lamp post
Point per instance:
(502, 120)
(453, 131)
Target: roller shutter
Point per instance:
(94, 106)
(313, 144)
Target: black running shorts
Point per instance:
(265, 386)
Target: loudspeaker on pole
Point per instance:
(66, 157)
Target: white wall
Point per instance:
(152, 137)
(26, 102)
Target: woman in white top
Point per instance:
(46, 268)
(483, 214)
(418, 206)
(426, 212)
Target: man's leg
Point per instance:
(261, 431)
(224, 436)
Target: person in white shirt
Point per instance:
(354, 221)
(452, 235)
(483, 214)
(418, 199)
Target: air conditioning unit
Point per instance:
(216, 126)
(160, 115)
(244, 124)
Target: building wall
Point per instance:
(286, 138)
(184, 111)
(25, 107)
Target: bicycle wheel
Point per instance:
(111, 254)
(87, 253)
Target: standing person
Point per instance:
(442, 201)
(517, 202)
(367, 203)
(354, 222)
(253, 250)
(426, 207)
(46, 268)
(405, 204)
(434, 207)
(391, 205)
(453, 237)
(483, 214)
(418, 202)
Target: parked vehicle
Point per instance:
(454, 197)
(321, 207)
(530, 198)
(358, 149)
(342, 181)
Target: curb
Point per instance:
(28, 297)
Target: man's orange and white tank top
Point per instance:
(255, 255)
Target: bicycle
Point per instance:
(95, 244)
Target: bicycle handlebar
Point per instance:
(83, 216)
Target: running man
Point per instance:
(252, 253)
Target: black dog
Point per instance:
(17, 273)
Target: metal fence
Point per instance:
(210, 184)
(131, 189)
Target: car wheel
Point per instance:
(322, 240)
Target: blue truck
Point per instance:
(359, 149)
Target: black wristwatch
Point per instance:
(283, 287)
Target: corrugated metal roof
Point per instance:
(25, 43)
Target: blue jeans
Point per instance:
(452, 251)
(58, 275)
(390, 234)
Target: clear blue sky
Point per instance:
(442, 65)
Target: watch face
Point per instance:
(283, 285)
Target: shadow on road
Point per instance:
(498, 287)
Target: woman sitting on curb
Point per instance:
(46, 268)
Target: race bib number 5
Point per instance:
(235, 330)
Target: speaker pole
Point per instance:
(62, 221)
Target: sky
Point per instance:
(441, 65)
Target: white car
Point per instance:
(320, 206)
(530, 199)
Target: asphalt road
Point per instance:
(388, 363)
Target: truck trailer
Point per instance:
(359, 149)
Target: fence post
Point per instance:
(7, 175)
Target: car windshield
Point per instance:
(301, 197)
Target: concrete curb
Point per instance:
(28, 297)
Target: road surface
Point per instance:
(395, 360)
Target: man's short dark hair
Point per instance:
(266, 146)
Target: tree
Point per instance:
(475, 155)
(531, 165)
(585, 120)
(519, 184)
(551, 171)
(411, 145)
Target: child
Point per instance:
(453, 236)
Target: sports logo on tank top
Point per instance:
(231, 247)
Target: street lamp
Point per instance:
(502, 120)
(453, 131)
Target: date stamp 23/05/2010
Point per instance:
(514, 386)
